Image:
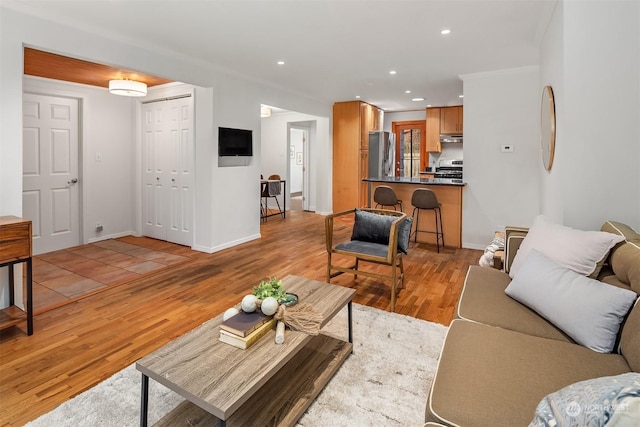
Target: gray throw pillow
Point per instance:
(587, 310)
(374, 228)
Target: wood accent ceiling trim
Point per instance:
(52, 66)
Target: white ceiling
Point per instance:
(333, 49)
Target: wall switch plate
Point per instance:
(506, 148)
(98, 156)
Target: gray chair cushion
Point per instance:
(369, 248)
(374, 228)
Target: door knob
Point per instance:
(73, 181)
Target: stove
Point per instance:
(449, 168)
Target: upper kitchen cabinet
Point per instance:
(352, 122)
(370, 122)
(433, 131)
(451, 120)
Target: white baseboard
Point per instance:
(111, 236)
(474, 246)
(226, 245)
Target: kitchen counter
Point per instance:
(449, 194)
(419, 181)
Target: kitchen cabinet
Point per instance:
(451, 120)
(433, 131)
(364, 173)
(352, 122)
(370, 122)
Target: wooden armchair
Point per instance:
(379, 236)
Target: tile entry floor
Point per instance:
(66, 275)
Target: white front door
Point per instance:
(50, 171)
(168, 158)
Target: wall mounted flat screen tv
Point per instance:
(235, 142)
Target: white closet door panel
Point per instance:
(168, 159)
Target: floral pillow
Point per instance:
(604, 401)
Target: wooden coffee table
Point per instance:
(267, 384)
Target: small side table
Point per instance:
(15, 248)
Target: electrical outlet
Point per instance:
(508, 148)
(99, 226)
(98, 156)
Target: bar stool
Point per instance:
(385, 196)
(425, 199)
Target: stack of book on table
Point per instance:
(244, 329)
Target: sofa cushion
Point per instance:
(483, 300)
(490, 376)
(591, 402)
(625, 256)
(581, 251)
(630, 338)
(587, 310)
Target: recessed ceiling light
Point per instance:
(428, 105)
(417, 99)
(460, 96)
(445, 32)
(357, 96)
(407, 91)
(392, 72)
(280, 62)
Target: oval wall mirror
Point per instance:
(547, 127)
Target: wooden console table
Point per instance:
(16, 247)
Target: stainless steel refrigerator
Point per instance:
(382, 154)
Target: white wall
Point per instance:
(552, 74)
(500, 108)
(402, 116)
(275, 154)
(296, 146)
(227, 210)
(591, 54)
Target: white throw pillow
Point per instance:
(577, 250)
(587, 310)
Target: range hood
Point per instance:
(451, 138)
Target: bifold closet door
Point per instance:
(168, 158)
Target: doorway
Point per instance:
(50, 194)
(298, 140)
(410, 148)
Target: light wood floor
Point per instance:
(76, 346)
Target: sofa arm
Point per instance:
(513, 237)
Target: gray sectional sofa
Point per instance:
(501, 358)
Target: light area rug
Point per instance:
(384, 382)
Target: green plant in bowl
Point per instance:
(270, 288)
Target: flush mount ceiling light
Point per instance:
(127, 88)
(265, 111)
